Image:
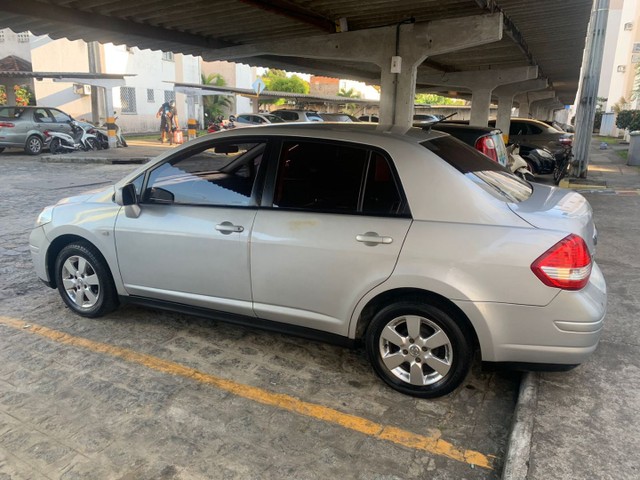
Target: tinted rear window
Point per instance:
(11, 112)
(480, 169)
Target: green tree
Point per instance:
(277, 81)
(215, 105)
(629, 119)
(3, 95)
(350, 93)
(433, 99)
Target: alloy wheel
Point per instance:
(80, 281)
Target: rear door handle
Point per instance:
(372, 239)
(227, 228)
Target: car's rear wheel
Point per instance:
(33, 146)
(418, 348)
(84, 280)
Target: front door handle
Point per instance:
(371, 239)
(227, 228)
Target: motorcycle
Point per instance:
(563, 164)
(517, 164)
(220, 124)
(80, 139)
(103, 136)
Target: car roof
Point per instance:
(443, 126)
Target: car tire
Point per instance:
(84, 280)
(55, 146)
(418, 348)
(33, 145)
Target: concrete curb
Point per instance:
(582, 184)
(516, 464)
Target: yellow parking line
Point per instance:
(428, 443)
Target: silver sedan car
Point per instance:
(414, 245)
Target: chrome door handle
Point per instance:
(372, 238)
(227, 227)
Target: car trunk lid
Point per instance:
(553, 208)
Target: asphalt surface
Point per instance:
(118, 397)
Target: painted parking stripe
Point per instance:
(428, 443)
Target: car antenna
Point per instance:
(426, 128)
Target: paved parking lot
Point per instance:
(144, 394)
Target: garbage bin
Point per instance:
(634, 149)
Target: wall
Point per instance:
(153, 74)
(61, 56)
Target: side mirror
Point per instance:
(126, 195)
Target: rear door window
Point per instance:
(336, 178)
(41, 115)
(489, 175)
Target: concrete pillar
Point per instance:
(506, 94)
(481, 83)
(405, 46)
(111, 121)
(191, 117)
(480, 103)
(526, 99)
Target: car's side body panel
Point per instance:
(309, 269)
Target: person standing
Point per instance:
(168, 116)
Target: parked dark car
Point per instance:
(533, 134)
(26, 127)
(485, 139)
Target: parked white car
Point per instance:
(298, 115)
(416, 245)
(243, 119)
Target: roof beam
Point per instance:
(433, 38)
(290, 10)
(68, 16)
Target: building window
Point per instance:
(1, 36)
(628, 26)
(23, 37)
(169, 95)
(150, 95)
(128, 99)
(622, 68)
(167, 56)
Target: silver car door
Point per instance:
(190, 242)
(324, 244)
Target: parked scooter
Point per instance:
(517, 164)
(80, 139)
(220, 124)
(103, 135)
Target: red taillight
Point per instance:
(487, 146)
(566, 141)
(7, 124)
(46, 133)
(566, 265)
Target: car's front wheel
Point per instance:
(84, 280)
(418, 348)
(34, 145)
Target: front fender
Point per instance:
(92, 222)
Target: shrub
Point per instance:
(629, 119)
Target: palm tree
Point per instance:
(350, 93)
(215, 105)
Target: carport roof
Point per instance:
(549, 34)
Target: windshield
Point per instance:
(274, 119)
(480, 169)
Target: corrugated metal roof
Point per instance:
(549, 33)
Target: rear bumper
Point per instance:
(564, 332)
